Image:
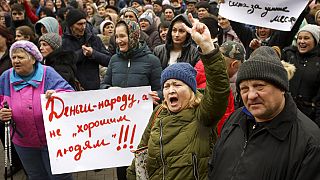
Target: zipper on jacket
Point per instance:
(129, 65)
(161, 151)
(195, 166)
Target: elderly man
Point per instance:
(90, 51)
(269, 138)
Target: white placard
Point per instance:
(274, 14)
(95, 129)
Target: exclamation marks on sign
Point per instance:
(126, 131)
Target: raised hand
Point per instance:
(200, 34)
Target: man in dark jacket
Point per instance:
(269, 138)
(90, 51)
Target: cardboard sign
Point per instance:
(274, 14)
(95, 129)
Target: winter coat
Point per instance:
(286, 148)
(154, 38)
(87, 67)
(305, 84)
(179, 144)
(189, 53)
(26, 105)
(64, 63)
(141, 68)
(5, 62)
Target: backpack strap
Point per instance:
(156, 115)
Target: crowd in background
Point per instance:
(129, 43)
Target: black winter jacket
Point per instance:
(287, 148)
(189, 54)
(5, 62)
(140, 68)
(305, 84)
(87, 67)
(64, 63)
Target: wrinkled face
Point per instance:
(78, 28)
(157, 8)
(191, 7)
(202, 12)
(102, 11)
(22, 62)
(122, 38)
(58, 4)
(144, 24)
(168, 14)
(17, 15)
(20, 36)
(177, 95)
(305, 42)
(89, 10)
(223, 22)
(130, 16)
(45, 48)
(263, 100)
(179, 34)
(263, 33)
(108, 30)
(163, 33)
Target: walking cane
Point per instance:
(7, 147)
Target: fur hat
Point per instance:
(53, 39)
(264, 64)
(74, 15)
(29, 47)
(233, 50)
(180, 71)
(313, 29)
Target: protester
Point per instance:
(134, 65)
(180, 138)
(178, 47)
(107, 31)
(268, 138)
(305, 84)
(163, 30)
(89, 49)
(148, 25)
(191, 8)
(62, 61)
(168, 12)
(18, 17)
(203, 9)
(21, 87)
(25, 33)
(47, 25)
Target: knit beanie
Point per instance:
(29, 47)
(180, 71)
(264, 64)
(129, 9)
(147, 16)
(53, 39)
(133, 30)
(313, 29)
(50, 23)
(233, 50)
(104, 24)
(74, 15)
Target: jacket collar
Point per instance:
(280, 126)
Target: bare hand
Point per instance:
(155, 97)
(200, 34)
(5, 114)
(49, 93)
(86, 50)
(254, 44)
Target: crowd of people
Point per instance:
(231, 100)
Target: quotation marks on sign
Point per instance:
(123, 137)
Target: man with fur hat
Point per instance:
(90, 51)
(268, 138)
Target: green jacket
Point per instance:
(180, 144)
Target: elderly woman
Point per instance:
(180, 137)
(21, 87)
(305, 84)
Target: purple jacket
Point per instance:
(26, 105)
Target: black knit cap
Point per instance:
(74, 15)
(264, 64)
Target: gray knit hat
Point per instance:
(313, 29)
(264, 64)
(53, 39)
(233, 50)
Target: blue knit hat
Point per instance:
(180, 71)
